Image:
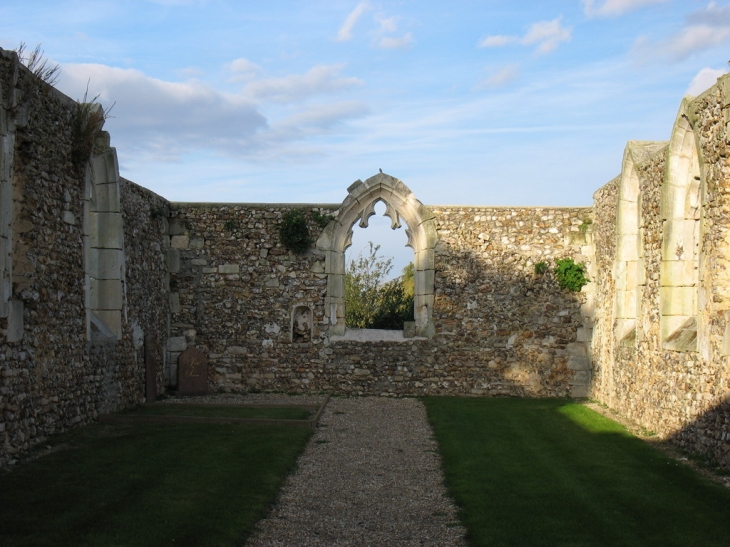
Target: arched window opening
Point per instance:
(359, 206)
(379, 283)
(681, 212)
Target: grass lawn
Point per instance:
(180, 409)
(549, 472)
(148, 485)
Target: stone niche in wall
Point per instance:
(301, 324)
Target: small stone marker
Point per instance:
(192, 372)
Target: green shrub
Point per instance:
(294, 233)
(541, 268)
(570, 275)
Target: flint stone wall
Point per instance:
(500, 329)
(51, 376)
(681, 395)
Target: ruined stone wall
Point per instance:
(500, 328)
(682, 394)
(52, 376)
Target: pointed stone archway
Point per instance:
(359, 205)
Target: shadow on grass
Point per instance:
(146, 485)
(548, 472)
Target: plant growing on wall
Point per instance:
(293, 232)
(39, 66)
(321, 219)
(87, 122)
(541, 268)
(570, 275)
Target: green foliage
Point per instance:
(294, 233)
(39, 66)
(541, 268)
(87, 122)
(371, 302)
(322, 220)
(230, 225)
(585, 225)
(570, 275)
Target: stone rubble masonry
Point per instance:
(92, 265)
(52, 377)
(677, 385)
(500, 328)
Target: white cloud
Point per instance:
(547, 35)
(162, 120)
(703, 80)
(297, 87)
(704, 29)
(388, 42)
(503, 77)
(614, 8)
(345, 32)
(243, 70)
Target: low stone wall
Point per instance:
(500, 328)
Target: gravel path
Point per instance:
(370, 476)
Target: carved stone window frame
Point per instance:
(359, 205)
(681, 211)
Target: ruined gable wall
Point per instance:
(681, 395)
(500, 329)
(51, 376)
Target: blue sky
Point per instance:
(468, 102)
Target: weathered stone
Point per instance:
(192, 372)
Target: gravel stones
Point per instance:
(370, 475)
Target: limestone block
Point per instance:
(682, 338)
(106, 198)
(628, 217)
(409, 329)
(577, 362)
(579, 391)
(424, 282)
(106, 231)
(425, 260)
(173, 260)
(106, 294)
(112, 319)
(678, 301)
(628, 248)
(15, 321)
(335, 285)
(626, 304)
(106, 263)
(669, 325)
(174, 299)
(199, 262)
(180, 242)
(421, 300)
(69, 218)
(679, 273)
(197, 243)
(580, 377)
(177, 227)
(584, 335)
(679, 239)
(177, 343)
(334, 263)
(229, 269)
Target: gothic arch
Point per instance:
(681, 209)
(359, 205)
(628, 269)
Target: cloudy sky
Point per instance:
(468, 102)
